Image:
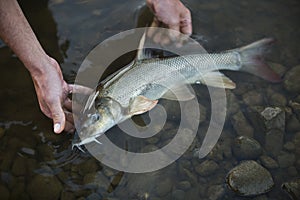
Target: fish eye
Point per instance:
(95, 117)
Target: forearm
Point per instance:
(18, 35)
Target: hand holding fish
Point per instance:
(170, 14)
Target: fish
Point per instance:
(136, 88)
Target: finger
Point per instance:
(186, 23)
(79, 89)
(58, 116)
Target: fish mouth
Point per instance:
(86, 141)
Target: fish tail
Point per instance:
(252, 61)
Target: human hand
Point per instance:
(170, 14)
(52, 92)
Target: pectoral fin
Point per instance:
(217, 79)
(140, 104)
(180, 93)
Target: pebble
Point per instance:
(274, 142)
(246, 148)
(292, 188)
(277, 99)
(291, 80)
(215, 192)
(249, 178)
(44, 187)
(19, 166)
(206, 168)
(292, 124)
(4, 192)
(289, 146)
(241, 125)
(178, 195)
(292, 171)
(164, 187)
(268, 162)
(286, 159)
(253, 98)
(274, 118)
(2, 132)
(184, 185)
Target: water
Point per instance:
(32, 157)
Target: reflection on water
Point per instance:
(37, 164)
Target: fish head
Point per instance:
(106, 114)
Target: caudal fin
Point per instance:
(253, 62)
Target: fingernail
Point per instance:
(56, 127)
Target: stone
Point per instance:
(4, 192)
(286, 159)
(19, 166)
(292, 124)
(292, 188)
(215, 192)
(94, 196)
(292, 171)
(268, 162)
(296, 108)
(291, 80)
(164, 187)
(241, 125)
(206, 168)
(184, 185)
(95, 180)
(289, 146)
(274, 142)
(277, 99)
(253, 98)
(246, 148)
(274, 118)
(87, 166)
(249, 178)
(191, 115)
(233, 105)
(67, 195)
(44, 187)
(2, 132)
(178, 195)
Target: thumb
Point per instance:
(58, 117)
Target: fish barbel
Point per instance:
(136, 88)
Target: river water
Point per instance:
(37, 164)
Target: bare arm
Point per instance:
(50, 87)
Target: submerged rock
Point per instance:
(274, 118)
(291, 80)
(292, 188)
(44, 187)
(246, 148)
(206, 168)
(268, 162)
(249, 178)
(241, 125)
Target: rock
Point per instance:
(94, 196)
(96, 180)
(178, 195)
(253, 98)
(269, 125)
(291, 80)
(87, 166)
(241, 125)
(295, 107)
(274, 118)
(289, 146)
(44, 187)
(184, 185)
(19, 166)
(67, 196)
(286, 159)
(246, 148)
(268, 162)
(4, 192)
(164, 187)
(293, 124)
(2, 132)
(249, 178)
(191, 114)
(233, 105)
(274, 142)
(292, 171)
(215, 192)
(292, 188)
(206, 168)
(277, 99)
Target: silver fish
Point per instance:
(136, 88)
